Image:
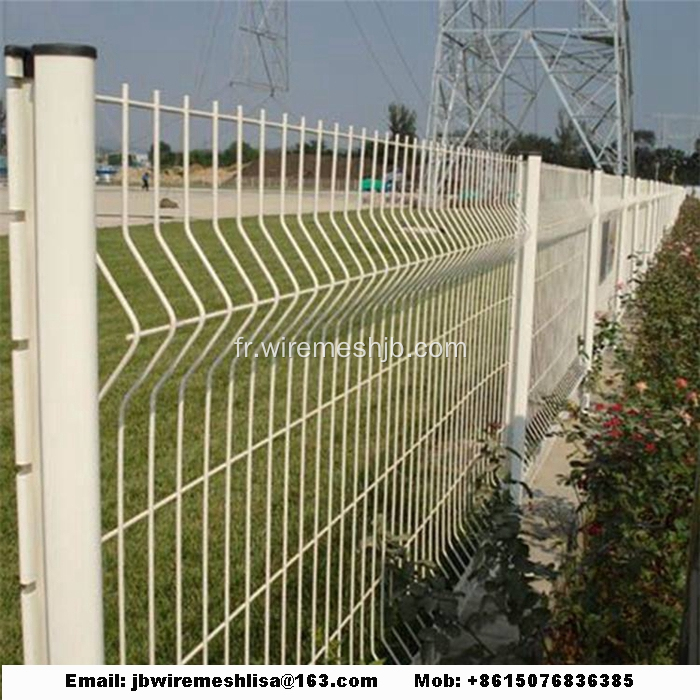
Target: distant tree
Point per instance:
(644, 138)
(311, 146)
(249, 152)
(325, 149)
(229, 156)
(689, 172)
(115, 158)
(644, 163)
(671, 164)
(568, 141)
(402, 121)
(523, 144)
(168, 157)
(645, 160)
(402, 124)
(201, 156)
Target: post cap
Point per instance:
(15, 51)
(24, 54)
(83, 50)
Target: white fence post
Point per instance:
(657, 216)
(652, 222)
(623, 244)
(512, 350)
(648, 214)
(592, 273)
(525, 299)
(64, 104)
(636, 216)
(20, 150)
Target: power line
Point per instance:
(368, 45)
(202, 47)
(400, 53)
(206, 55)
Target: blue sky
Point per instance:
(333, 76)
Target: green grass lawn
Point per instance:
(10, 629)
(273, 484)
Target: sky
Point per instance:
(191, 47)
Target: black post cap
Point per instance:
(17, 51)
(25, 54)
(64, 50)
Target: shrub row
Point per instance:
(620, 598)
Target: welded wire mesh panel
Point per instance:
(611, 241)
(556, 368)
(606, 265)
(627, 243)
(564, 199)
(642, 233)
(611, 191)
(269, 428)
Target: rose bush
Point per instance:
(621, 599)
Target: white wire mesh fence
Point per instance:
(270, 486)
(565, 212)
(299, 360)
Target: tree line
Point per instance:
(402, 123)
(666, 164)
(563, 148)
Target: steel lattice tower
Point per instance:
(494, 58)
(263, 61)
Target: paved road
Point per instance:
(108, 204)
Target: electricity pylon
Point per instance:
(263, 47)
(494, 58)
